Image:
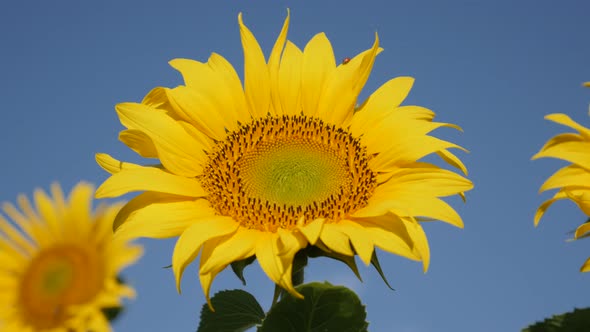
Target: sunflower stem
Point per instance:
(299, 263)
(297, 277)
(275, 297)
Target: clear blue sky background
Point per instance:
(494, 67)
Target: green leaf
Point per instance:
(239, 266)
(325, 308)
(235, 310)
(348, 260)
(375, 263)
(575, 321)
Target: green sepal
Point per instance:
(375, 263)
(111, 313)
(235, 310)
(325, 308)
(239, 266)
(577, 320)
(315, 251)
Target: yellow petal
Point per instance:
(289, 84)
(80, 207)
(177, 150)
(582, 230)
(228, 249)
(575, 152)
(333, 237)
(206, 281)
(217, 100)
(158, 98)
(424, 180)
(288, 244)
(121, 257)
(586, 266)
(273, 67)
(256, 77)
(318, 65)
(12, 263)
(201, 110)
(278, 268)
(27, 209)
(452, 160)
(408, 150)
(581, 197)
(397, 126)
(14, 238)
(37, 234)
(149, 179)
(156, 215)
(421, 246)
(312, 230)
(190, 242)
(386, 98)
(411, 205)
(113, 165)
(543, 207)
(559, 139)
(343, 86)
(361, 240)
(567, 121)
(46, 210)
(233, 86)
(390, 233)
(205, 141)
(567, 176)
(138, 142)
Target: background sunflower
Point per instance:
(60, 263)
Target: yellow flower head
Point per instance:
(287, 161)
(573, 181)
(59, 263)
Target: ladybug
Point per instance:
(345, 60)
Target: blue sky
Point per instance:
(495, 68)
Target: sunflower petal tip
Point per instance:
(178, 277)
(210, 305)
(297, 295)
(425, 265)
(99, 193)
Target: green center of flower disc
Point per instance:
(56, 278)
(277, 171)
(292, 172)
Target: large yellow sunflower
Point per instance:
(573, 181)
(59, 263)
(287, 161)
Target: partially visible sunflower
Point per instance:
(286, 162)
(59, 263)
(573, 180)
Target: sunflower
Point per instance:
(59, 263)
(287, 161)
(573, 181)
